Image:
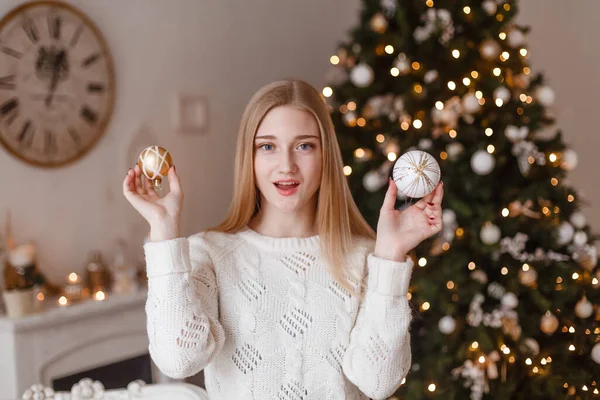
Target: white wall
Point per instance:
(563, 44)
(224, 49)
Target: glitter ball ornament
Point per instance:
(510, 301)
(154, 162)
(416, 173)
(447, 325)
(362, 75)
(596, 353)
(545, 95)
(549, 323)
(482, 162)
(583, 308)
(580, 238)
(569, 160)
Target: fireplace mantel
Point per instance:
(65, 340)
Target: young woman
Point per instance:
(292, 296)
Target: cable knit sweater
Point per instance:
(265, 320)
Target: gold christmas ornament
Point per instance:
(154, 162)
(549, 323)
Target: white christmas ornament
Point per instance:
(578, 220)
(482, 162)
(509, 300)
(530, 346)
(362, 75)
(583, 308)
(470, 103)
(447, 325)
(430, 76)
(580, 238)
(515, 38)
(596, 353)
(490, 49)
(490, 7)
(502, 93)
(565, 233)
(448, 216)
(373, 181)
(549, 323)
(569, 160)
(454, 149)
(489, 234)
(515, 133)
(416, 173)
(545, 95)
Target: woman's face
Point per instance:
(287, 159)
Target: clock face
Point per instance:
(56, 83)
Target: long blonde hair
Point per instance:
(338, 218)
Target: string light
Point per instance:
(439, 105)
(452, 133)
(491, 148)
(474, 74)
(575, 276)
(504, 271)
(511, 359)
(466, 81)
(499, 17)
(416, 66)
(526, 70)
(467, 10)
(479, 94)
(389, 49)
(595, 281)
(552, 157)
(450, 285)
(506, 350)
(571, 330)
(422, 262)
(475, 345)
(554, 181)
(472, 266)
(499, 102)
(570, 198)
(392, 156)
(394, 71)
(571, 348)
(489, 132)
(352, 106)
(505, 212)
(497, 71)
(543, 361)
(425, 306)
(431, 387)
(446, 246)
(455, 53)
(502, 35)
(525, 267)
(528, 361)
(523, 97)
(417, 123)
(380, 138)
(507, 6)
(327, 91)
(429, 3)
(361, 122)
(417, 88)
(335, 60)
(523, 52)
(460, 232)
(481, 359)
(409, 295)
(451, 85)
(535, 370)
(559, 280)
(405, 125)
(347, 170)
(504, 56)
(443, 155)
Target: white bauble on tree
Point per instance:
(528, 278)
(510, 300)
(578, 220)
(362, 75)
(373, 181)
(545, 95)
(490, 7)
(416, 173)
(470, 103)
(584, 308)
(565, 233)
(482, 162)
(430, 76)
(596, 353)
(515, 38)
(490, 49)
(502, 93)
(580, 238)
(530, 346)
(454, 149)
(569, 160)
(448, 216)
(489, 234)
(447, 325)
(379, 23)
(549, 323)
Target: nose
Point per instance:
(287, 162)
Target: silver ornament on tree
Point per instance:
(580, 238)
(569, 160)
(595, 354)
(502, 93)
(584, 308)
(545, 95)
(489, 234)
(578, 220)
(509, 301)
(416, 173)
(515, 38)
(362, 75)
(447, 325)
(565, 233)
(549, 323)
(490, 7)
(490, 49)
(482, 162)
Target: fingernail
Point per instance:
(431, 204)
(431, 218)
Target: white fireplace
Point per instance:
(67, 340)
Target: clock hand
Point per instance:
(54, 80)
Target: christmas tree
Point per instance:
(507, 296)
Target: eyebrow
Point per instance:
(299, 137)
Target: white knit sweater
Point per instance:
(265, 320)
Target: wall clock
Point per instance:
(57, 84)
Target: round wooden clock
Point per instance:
(57, 83)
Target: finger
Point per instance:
(174, 182)
(139, 188)
(438, 194)
(150, 190)
(389, 202)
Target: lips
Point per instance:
(286, 188)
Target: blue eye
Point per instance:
(266, 146)
(306, 146)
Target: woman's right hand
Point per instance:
(163, 214)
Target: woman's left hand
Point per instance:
(398, 232)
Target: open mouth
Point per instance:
(287, 188)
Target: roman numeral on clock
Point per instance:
(54, 24)
(26, 135)
(30, 29)
(8, 106)
(50, 146)
(89, 115)
(7, 82)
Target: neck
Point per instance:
(270, 221)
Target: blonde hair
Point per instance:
(338, 218)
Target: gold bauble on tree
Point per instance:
(154, 162)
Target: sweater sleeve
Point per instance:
(182, 306)
(379, 355)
